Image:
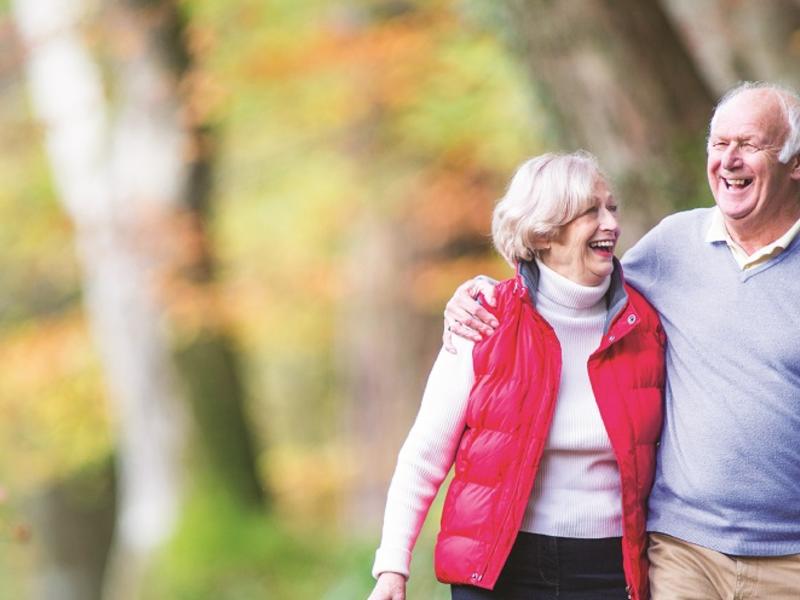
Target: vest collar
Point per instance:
(616, 296)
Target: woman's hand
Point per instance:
(390, 586)
(465, 316)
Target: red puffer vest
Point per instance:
(517, 372)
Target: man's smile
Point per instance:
(736, 183)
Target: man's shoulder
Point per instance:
(685, 220)
(678, 237)
(674, 231)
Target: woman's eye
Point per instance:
(613, 208)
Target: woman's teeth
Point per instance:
(602, 244)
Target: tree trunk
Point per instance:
(379, 334)
(151, 50)
(128, 186)
(112, 181)
(378, 355)
(735, 40)
(620, 83)
(73, 519)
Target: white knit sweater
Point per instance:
(577, 488)
(576, 492)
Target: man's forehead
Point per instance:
(740, 128)
(754, 113)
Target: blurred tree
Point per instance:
(73, 520)
(364, 142)
(134, 180)
(379, 361)
(380, 329)
(433, 151)
(734, 40)
(617, 80)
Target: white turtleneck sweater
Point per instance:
(577, 489)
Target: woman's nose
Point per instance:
(608, 220)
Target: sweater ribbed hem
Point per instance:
(725, 545)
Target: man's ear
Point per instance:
(794, 163)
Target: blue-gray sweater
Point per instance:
(728, 474)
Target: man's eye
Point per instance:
(719, 145)
(613, 208)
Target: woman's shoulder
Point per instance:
(506, 292)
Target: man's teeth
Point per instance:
(606, 244)
(737, 182)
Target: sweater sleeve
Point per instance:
(425, 457)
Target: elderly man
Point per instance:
(724, 516)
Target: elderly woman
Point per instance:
(551, 422)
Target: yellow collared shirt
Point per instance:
(718, 233)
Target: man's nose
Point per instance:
(731, 158)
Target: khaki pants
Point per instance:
(683, 571)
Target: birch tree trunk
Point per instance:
(618, 81)
(130, 185)
(150, 62)
(114, 178)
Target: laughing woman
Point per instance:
(551, 422)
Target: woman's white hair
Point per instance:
(546, 192)
(790, 103)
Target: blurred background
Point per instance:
(229, 228)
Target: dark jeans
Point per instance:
(542, 567)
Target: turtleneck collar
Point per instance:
(567, 293)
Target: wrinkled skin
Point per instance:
(465, 316)
(390, 586)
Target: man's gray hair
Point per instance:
(789, 100)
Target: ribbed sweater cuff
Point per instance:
(396, 560)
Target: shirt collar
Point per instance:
(716, 229)
(717, 233)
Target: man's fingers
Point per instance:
(478, 319)
(465, 316)
(460, 308)
(466, 330)
(485, 286)
(487, 320)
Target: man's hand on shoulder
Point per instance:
(464, 316)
